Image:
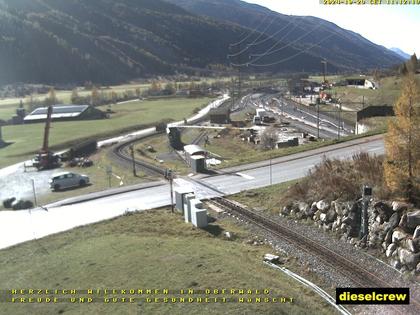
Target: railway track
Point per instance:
(200, 137)
(351, 270)
(120, 153)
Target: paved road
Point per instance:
(20, 226)
(301, 116)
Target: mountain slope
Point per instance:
(401, 53)
(103, 40)
(111, 41)
(342, 48)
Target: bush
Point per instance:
(7, 203)
(340, 179)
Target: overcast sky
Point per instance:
(387, 25)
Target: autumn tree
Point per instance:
(51, 99)
(94, 97)
(74, 98)
(269, 138)
(402, 163)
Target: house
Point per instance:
(65, 113)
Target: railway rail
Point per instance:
(121, 154)
(360, 276)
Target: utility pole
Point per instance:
(171, 182)
(133, 160)
(339, 122)
(324, 62)
(34, 192)
(271, 174)
(317, 118)
(109, 173)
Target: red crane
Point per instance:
(45, 158)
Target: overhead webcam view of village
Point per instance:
(209, 157)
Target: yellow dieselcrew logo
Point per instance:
(372, 296)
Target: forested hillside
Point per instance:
(111, 41)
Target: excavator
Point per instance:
(45, 159)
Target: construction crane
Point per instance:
(46, 159)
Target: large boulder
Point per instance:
(339, 207)
(416, 233)
(302, 206)
(390, 249)
(317, 215)
(413, 219)
(411, 245)
(407, 258)
(331, 215)
(396, 263)
(322, 205)
(393, 222)
(398, 236)
(398, 206)
(384, 209)
(310, 211)
(285, 210)
(388, 237)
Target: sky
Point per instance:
(390, 25)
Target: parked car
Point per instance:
(67, 180)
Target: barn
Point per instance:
(65, 113)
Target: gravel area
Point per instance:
(329, 276)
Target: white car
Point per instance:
(67, 180)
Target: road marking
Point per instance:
(245, 176)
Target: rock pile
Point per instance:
(394, 227)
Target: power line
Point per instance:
(251, 33)
(288, 58)
(270, 52)
(274, 34)
(257, 38)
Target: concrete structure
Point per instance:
(65, 113)
(187, 206)
(198, 163)
(195, 157)
(180, 192)
(219, 116)
(198, 214)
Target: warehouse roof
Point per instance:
(192, 149)
(220, 111)
(59, 111)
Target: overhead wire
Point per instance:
(251, 33)
(271, 51)
(272, 35)
(261, 33)
(293, 56)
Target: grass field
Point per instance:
(268, 198)
(150, 250)
(27, 139)
(8, 105)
